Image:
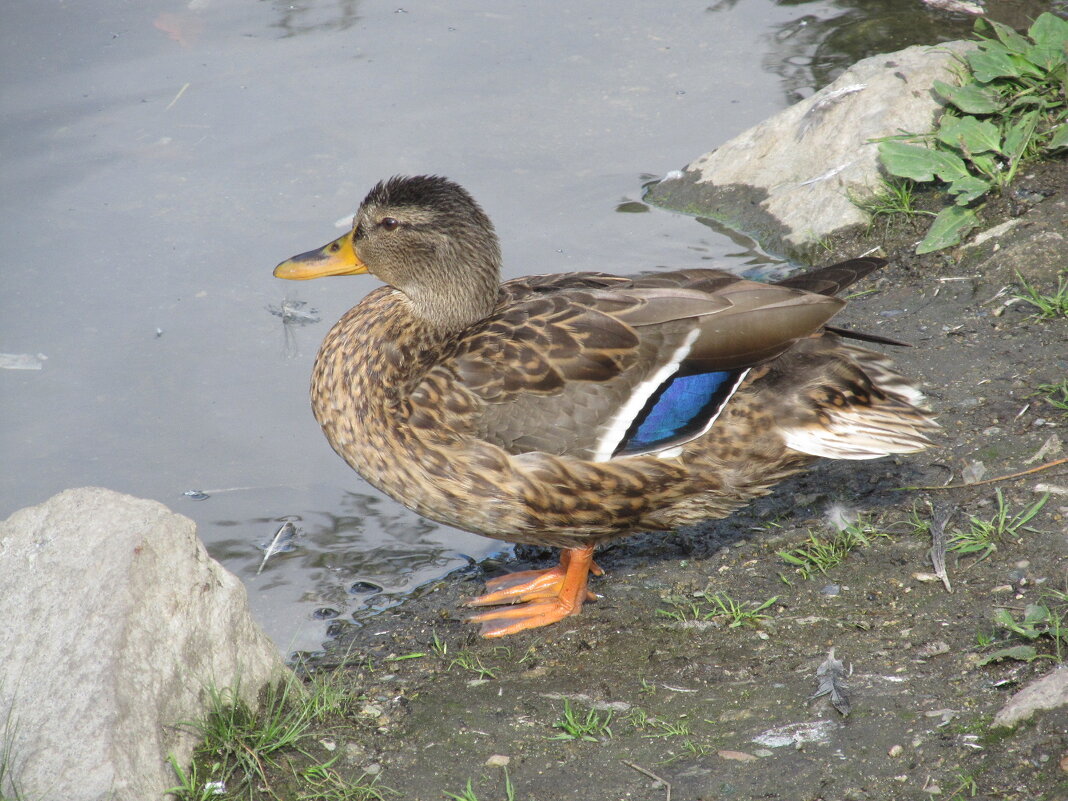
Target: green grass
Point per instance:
(892, 196)
(8, 772)
(470, 662)
(819, 554)
(244, 752)
(966, 788)
(1008, 110)
(719, 606)
(1043, 621)
(981, 536)
(1055, 394)
(1050, 306)
(573, 725)
(468, 793)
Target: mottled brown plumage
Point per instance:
(529, 411)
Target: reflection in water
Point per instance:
(297, 17)
(811, 50)
(331, 569)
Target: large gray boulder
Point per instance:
(789, 182)
(113, 621)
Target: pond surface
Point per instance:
(161, 157)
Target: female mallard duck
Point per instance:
(570, 409)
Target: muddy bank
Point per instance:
(724, 712)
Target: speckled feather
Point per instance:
(505, 409)
(397, 400)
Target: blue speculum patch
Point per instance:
(678, 410)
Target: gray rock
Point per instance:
(1048, 692)
(788, 182)
(114, 621)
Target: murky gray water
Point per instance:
(160, 157)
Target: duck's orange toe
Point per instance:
(537, 597)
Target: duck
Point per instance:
(571, 409)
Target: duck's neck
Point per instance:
(449, 301)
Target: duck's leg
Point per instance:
(537, 597)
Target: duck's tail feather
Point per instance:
(855, 405)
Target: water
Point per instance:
(161, 158)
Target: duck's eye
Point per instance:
(390, 223)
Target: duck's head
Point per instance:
(426, 237)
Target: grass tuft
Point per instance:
(1050, 306)
(574, 726)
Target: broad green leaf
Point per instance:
(1013, 41)
(1035, 613)
(970, 135)
(1021, 653)
(1047, 57)
(970, 98)
(996, 62)
(1049, 31)
(988, 165)
(947, 229)
(920, 163)
(1019, 134)
(1059, 138)
(968, 188)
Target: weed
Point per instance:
(439, 647)
(329, 694)
(982, 536)
(469, 661)
(469, 794)
(719, 606)
(575, 727)
(984, 640)
(1049, 306)
(1048, 619)
(243, 743)
(820, 555)
(1008, 109)
(1055, 394)
(325, 784)
(191, 787)
(892, 196)
(966, 788)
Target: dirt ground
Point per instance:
(726, 713)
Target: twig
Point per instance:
(1010, 476)
(651, 775)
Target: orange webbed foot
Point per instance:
(537, 597)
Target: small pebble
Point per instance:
(832, 589)
(498, 761)
(896, 751)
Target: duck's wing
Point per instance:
(598, 367)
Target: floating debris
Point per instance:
(282, 542)
(22, 361)
(295, 312)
